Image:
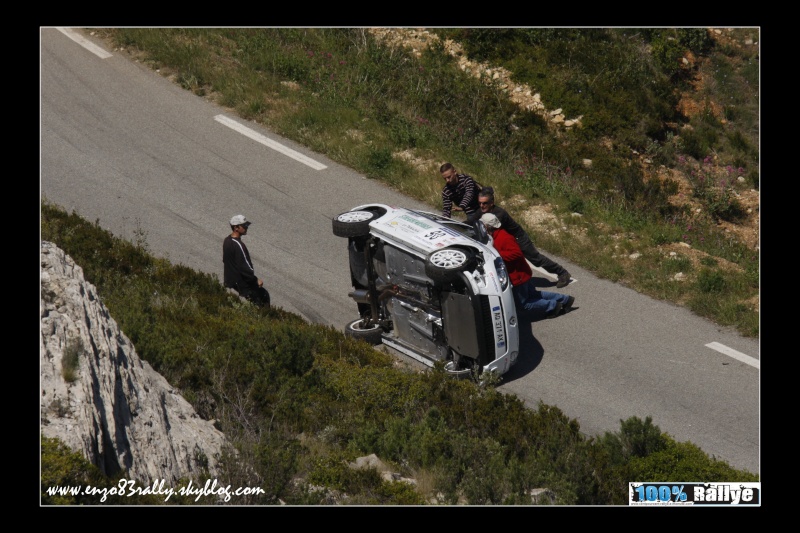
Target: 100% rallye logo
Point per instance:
(659, 493)
(694, 494)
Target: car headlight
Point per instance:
(502, 273)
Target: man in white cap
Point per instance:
(537, 258)
(239, 272)
(542, 303)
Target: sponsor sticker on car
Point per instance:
(422, 232)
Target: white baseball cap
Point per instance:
(490, 220)
(239, 220)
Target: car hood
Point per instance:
(419, 232)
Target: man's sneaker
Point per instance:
(563, 280)
(568, 304)
(555, 312)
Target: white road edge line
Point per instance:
(244, 130)
(93, 48)
(739, 356)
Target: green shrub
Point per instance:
(708, 261)
(676, 462)
(676, 263)
(739, 142)
(754, 179)
(61, 467)
(485, 481)
(711, 281)
(331, 472)
(64, 473)
(668, 52)
(59, 407)
(722, 204)
(670, 187)
(694, 145)
(661, 237)
(379, 160)
(636, 438)
(576, 205)
(399, 493)
(334, 473)
(695, 39)
(70, 360)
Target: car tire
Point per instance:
(354, 223)
(371, 334)
(459, 373)
(444, 265)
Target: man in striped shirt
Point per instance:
(460, 193)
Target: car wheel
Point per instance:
(354, 223)
(445, 264)
(459, 372)
(371, 334)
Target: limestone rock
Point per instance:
(110, 405)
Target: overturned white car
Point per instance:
(430, 287)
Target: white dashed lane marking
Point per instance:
(739, 356)
(244, 130)
(93, 48)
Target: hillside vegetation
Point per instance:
(656, 187)
(301, 401)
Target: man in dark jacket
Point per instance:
(460, 193)
(239, 272)
(486, 203)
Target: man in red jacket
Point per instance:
(542, 303)
(537, 258)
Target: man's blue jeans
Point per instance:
(541, 303)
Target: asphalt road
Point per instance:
(124, 146)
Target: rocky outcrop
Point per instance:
(417, 39)
(100, 398)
